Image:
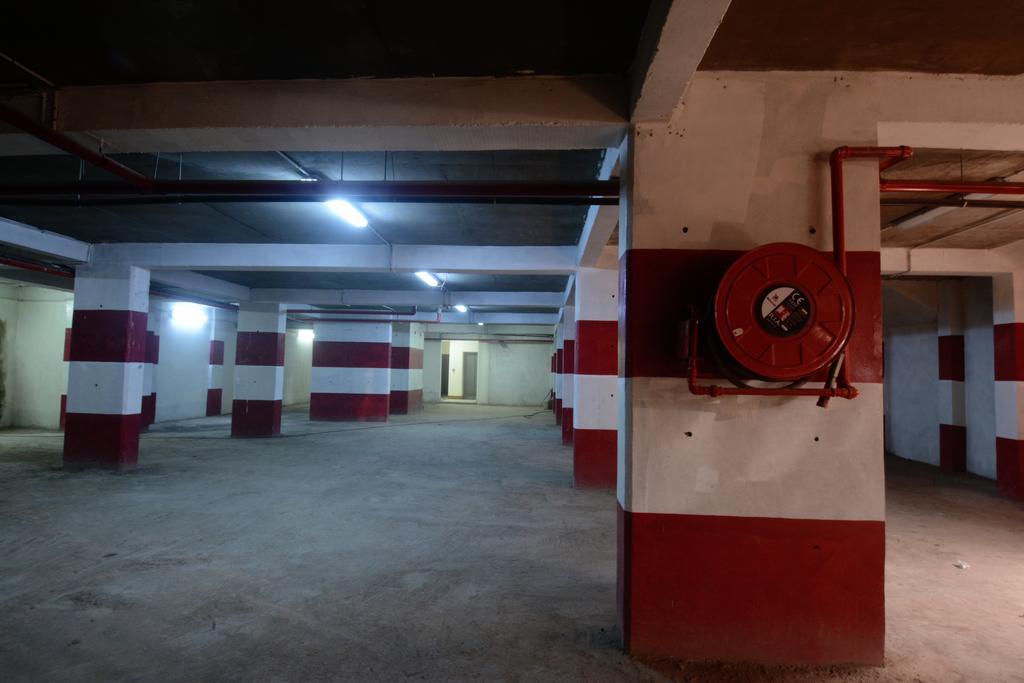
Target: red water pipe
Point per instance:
(336, 312)
(15, 118)
(36, 267)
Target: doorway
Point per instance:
(469, 375)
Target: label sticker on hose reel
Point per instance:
(784, 311)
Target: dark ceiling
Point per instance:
(456, 282)
(938, 36)
(468, 224)
(72, 42)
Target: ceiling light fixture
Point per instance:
(306, 335)
(188, 315)
(428, 278)
(461, 308)
(480, 324)
(350, 214)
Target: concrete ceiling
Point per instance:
(312, 223)
(936, 36)
(456, 282)
(950, 227)
(124, 41)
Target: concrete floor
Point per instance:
(448, 545)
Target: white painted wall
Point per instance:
(8, 325)
(455, 362)
(182, 373)
(979, 373)
(519, 374)
(912, 393)
(431, 370)
(298, 368)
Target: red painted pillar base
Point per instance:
(105, 441)
(953, 448)
(567, 426)
(406, 402)
(255, 419)
(771, 590)
(1010, 467)
(148, 411)
(214, 401)
(594, 458)
(558, 411)
(63, 410)
(349, 407)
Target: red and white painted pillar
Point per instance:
(952, 410)
(559, 357)
(215, 373)
(553, 395)
(595, 402)
(67, 358)
(750, 528)
(351, 378)
(1008, 345)
(108, 349)
(149, 369)
(259, 371)
(568, 368)
(406, 368)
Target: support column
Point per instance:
(596, 384)
(406, 368)
(351, 372)
(553, 368)
(750, 528)
(259, 371)
(67, 358)
(1008, 346)
(952, 410)
(568, 368)
(108, 348)
(149, 368)
(559, 356)
(215, 373)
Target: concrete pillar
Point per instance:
(568, 368)
(1008, 345)
(952, 410)
(215, 373)
(67, 358)
(259, 371)
(553, 368)
(595, 378)
(351, 378)
(107, 352)
(559, 358)
(149, 368)
(406, 368)
(750, 528)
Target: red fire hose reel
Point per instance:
(783, 312)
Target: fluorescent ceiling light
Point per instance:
(480, 324)
(428, 278)
(350, 214)
(461, 308)
(188, 315)
(306, 335)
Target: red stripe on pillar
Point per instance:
(1010, 467)
(567, 428)
(552, 362)
(787, 591)
(406, 358)
(148, 414)
(67, 343)
(953, 448)
(657, 287)
(349, 407)
(260, 348)
(152, 347)
(1008, 341)
(255, 418)
(216, 352)
(63, 410)
(597, 347)
(214, 401)
(94, 440)
(108, 336)
(328, 354)
(594, 458)
(951, 357)
(406, 402)
(558, 411)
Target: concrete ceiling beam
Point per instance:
(201, 285)
(601, 220)
(431, 298)
(944, 262)
(411, 114)
(672, 45)
(340, 257)
(42, 242)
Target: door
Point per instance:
(469, 375)
(445, 369)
